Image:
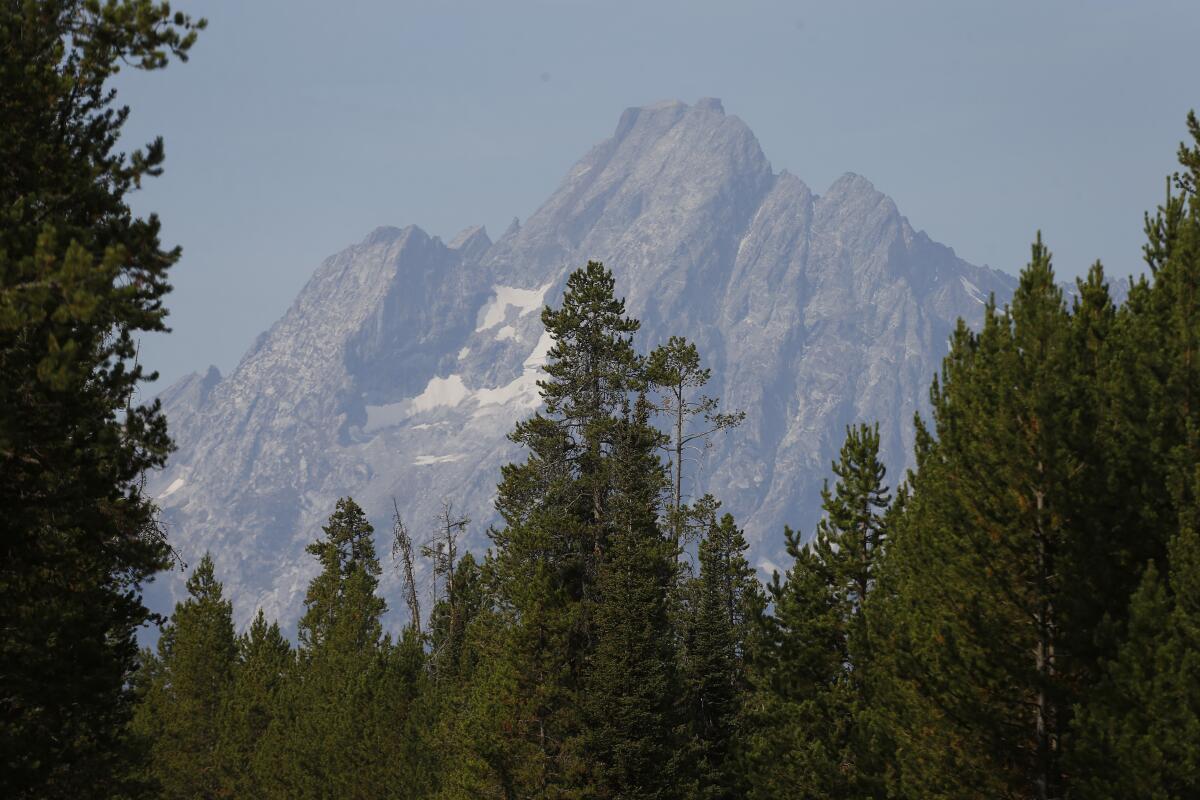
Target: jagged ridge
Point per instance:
(403, 363)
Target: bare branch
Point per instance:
(402, 552)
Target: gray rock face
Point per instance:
(403, 364)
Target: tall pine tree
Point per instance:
(339, 716)
(988, 599)
(814, 691)
(80, 277)
(558, 527)
(264, 662)
(183, 706)
(725, 606)
(1138, 729)
(631, 685)
(674, 370)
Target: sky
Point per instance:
(298, 126)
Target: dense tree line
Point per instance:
(1019, 617)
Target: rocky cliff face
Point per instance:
(401, 366)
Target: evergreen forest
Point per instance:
(1016, 617)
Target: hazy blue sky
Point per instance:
(299, 126)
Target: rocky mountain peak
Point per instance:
(404, 362)
(386, 234)
(854, 197)
(666, 164)
(471, 243)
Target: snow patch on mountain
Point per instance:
(973, 290)
(521, 393)
(423, 461)
(450, 392)
(441, 393)
(526, 301)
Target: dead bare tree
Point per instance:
(402, 556)
(442, 550)
(674, 370)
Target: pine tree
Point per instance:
(816, 702)
(1108, 554)
(557, 528)
(1139, 731)
(392, 753)
(477, 753)
(264, 662)
(631, 684)
(80, 276)
(1173, 254)
(451, 618)
(449, 724)
(990, 559)
(1157, 378)
(326, 738)
(193, 676)
(342, 611)
(726, 598)
(851, 536)
(797, 717)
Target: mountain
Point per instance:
(405, 360)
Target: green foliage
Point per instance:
(338, 717)
(811, 712)
(252, 719)
(559, 525)
(726, 602)
(987, 573)
(264, 662)
(80, 275)
(1138, 730)
(466, 597)
(1026, 657)
(475, 752)
(342, 611)
(1021, 621)
(1139, 733)
(796, 717)
(851, 534)
(630, 688)
(192, 678)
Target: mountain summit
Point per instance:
(405, 361)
